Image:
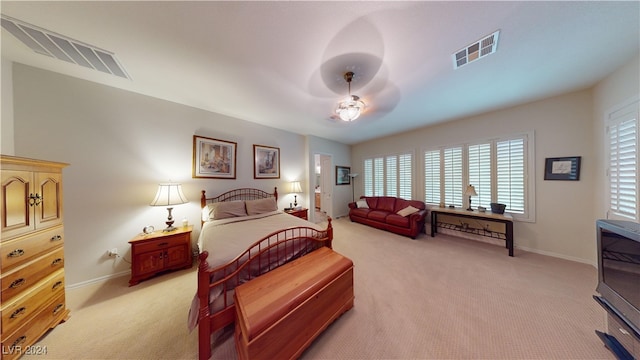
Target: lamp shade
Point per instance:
(169, 194)
(471, 191)
(295, 187)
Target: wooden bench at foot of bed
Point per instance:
(280, 313)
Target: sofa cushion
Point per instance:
(402, 203)
(386, 203)
(372, 202)
(377, 215)
(397, 220)
(360, 212)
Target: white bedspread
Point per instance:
(227, 238)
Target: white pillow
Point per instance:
(362, 204)
(407, 211)
(260, 206)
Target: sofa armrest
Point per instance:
(353, 205)
(419, 216)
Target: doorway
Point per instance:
(323, 197)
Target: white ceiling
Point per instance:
(281, 64)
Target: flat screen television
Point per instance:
(619, 270)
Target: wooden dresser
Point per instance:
(31, 253)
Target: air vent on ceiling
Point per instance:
(61, 47)
(476, 50)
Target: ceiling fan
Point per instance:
(350, 108)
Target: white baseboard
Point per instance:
(100, 279)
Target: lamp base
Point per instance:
(169, 222)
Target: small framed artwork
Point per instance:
(213, 158)
(266, 162)
(342, 175)
(562, 168)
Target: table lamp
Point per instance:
(295, 189)
(471, 191)
(169, 194)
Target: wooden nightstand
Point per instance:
(160, 251)
(302, 213)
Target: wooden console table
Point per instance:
(505, 219)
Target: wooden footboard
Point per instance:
(263, 256)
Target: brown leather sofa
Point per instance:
(382, 213)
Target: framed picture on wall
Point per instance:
(342, 175)
(266, 162)
(562, 168)
(213, 158)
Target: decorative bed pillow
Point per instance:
(224, 210)
(362, 204)
(407, 211)
(260, 206)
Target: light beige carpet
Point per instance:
(430, 298)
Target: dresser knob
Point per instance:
(56, 238)
(56, 262)
(17, 283)
(16, 253)
(18, 341)
(57, 309)
(18, 312)
(56, 285)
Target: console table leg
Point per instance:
(510, 237)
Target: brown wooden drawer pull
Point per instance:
(56, 285)
(18, 312)
(163, 244)
(17, 283)
(57, 309)
(56, 238)
(18, 341)
(56, 262)
(16, 253)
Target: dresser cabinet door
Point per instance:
(149, 262)
(49, 211)
(14, 199)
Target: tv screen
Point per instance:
(619, 267)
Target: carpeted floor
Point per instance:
(430, 298)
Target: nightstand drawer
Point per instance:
(162, 243)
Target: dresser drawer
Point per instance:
(24, 249)
(29, 332)
(26, 305)
(162, 243)
(21, 278)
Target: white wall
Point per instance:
(120, 146)
(6, 112)
(562, 127)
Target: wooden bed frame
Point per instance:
(283, 241)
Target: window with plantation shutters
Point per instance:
(405, 176)
(432, 177)
(510, 164)
(378, 177)
(480, 173)
(390, 175)
(496, 168)
(622, 132)
(453, 176)
(368, 177)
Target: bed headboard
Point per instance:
(238, 194)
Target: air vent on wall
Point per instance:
(476, 50)
(61, 47)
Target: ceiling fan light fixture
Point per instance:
(350, 108)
